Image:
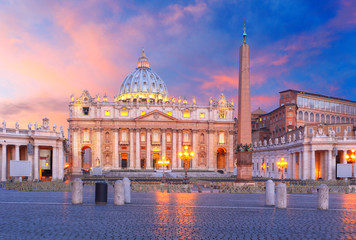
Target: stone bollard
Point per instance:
(127, 184)
(281, 196)
(119, 193)
(77, 191)
(270, 194)
(323, 197)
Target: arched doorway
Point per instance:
(221, 154)
(87, 160)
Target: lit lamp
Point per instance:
(164, 163)
(263, 167)
(351, 159)
(186, 156)
(281, 165)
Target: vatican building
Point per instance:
(143, 124)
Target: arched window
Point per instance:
(347, 120)
(337, 119)
(327, 118)
(317, 118)
(300, 115)
(333, 119)
(306, 116)
(352, 120)
(202, 138)
(322, 118)
(312, 117)
(343, 120)
(107, 137)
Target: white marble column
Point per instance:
(76, 168)
(195, 150)
(36, 169)
(305, 165)
(132, 154)
(300, 156)
(230, 166)
(164, 148)
(342, 157)
(174, 149)
(292, 176)
(333, 166)
(138, 157)
(98, 146)
(312, 165)
(148, 148)
(328, 158)
(17, 153)
(116, 148)
(3, 162)
(60, 162)
(211, 165)
(54, 164)
(179, 148)
(30, 158)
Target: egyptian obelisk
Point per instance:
(244, 158)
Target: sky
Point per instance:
(50, 50)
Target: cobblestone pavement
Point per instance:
(50, 215)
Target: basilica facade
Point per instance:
(143, 124)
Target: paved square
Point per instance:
(50, 215)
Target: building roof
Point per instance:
(258, 111)
(318, 95)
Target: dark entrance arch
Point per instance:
(87, 159)
(221, 155)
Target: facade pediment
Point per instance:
(156, 115)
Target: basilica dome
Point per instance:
(143, 83)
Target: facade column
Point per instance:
(174, 149)
(164, 148)
(230, 165)
(132, 154)
(148, 148)
(342, 157)
(54, 164)
(138, 147)
(76, 164)
(195, 150)
(179, 148)
(17, 152)
(116, 148)
(3, 163)
(329, 162)
(35, 165)
(300, 156)
(211, 166)
(292, 176)
(333, 165)
(30, 158)
(98, 146)
(312, 165)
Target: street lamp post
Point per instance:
(163, 163)
(281, 165)
(186, 156)
(351, 158)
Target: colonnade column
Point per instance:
(195, 150)
(329, 161)
(305, 165)
(300, 155)
(174, 149)
(333, 165)
(3, 163)
(132, 154)
(116, 148)
(60, 162)
(17, 152)
(179, 148)
(30, 158)
(76, 166)
(148, 148)
(54, 164)
(164, 142)
(211, 150)
(137, 165)
(312, 165)
(35, 164)
(292, 176)
(342, 157)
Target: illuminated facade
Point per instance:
(143, 124)
(41, 146)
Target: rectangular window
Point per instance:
(332, 107)
(86, 110)
(222, 138)
(327, 106)
(222, 114)
(86, 136)
(337, 107)
(169, 113)
(348, 128)
(311, 103)
(330, 129)
(143, 113)
(310, 130)
(186, 114)
(123, 113)
(342, 108)
(107, 112)
(300, 101)
(338, 129)
(322, 104)
(202, 115)
(317, 104)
